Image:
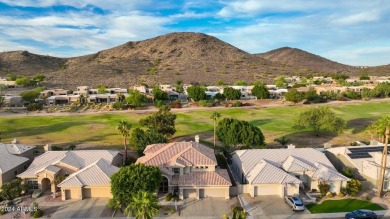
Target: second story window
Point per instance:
(176, 171)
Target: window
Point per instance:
(32, 183)
(206, 167)
(176, 190)
(176, 171)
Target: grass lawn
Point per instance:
(99, 129)
(344, 205)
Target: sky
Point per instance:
(354, 32)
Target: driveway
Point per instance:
(268, 207)
(87, 208)
(207, 207)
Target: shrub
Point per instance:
(347, 172)
(368, 198)
(168, 197)
(324, 188)
(3, 211)
(343, 190)
(206, 103)
(330, 195)
(237, 104)
(353, 187)
(34, 107)
(56, 148)
(175, 104)
(38, 213)
(172, 211)
(118, 105)
(354, 143)
(341, 195)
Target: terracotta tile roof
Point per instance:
(218, 178)
(182, 153)
(96, 174)
(77, 159)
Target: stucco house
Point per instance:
(14, 159)
(366, 159)
(284, 171)
(189, 169)
(87, 172)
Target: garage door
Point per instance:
(269, 189)
(189, 193)
(217, 193)
(87, 193)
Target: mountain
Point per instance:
(184, 56)
(306, 60)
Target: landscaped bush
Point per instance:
(34, 107)
(175, 104)
(353, 187)
(237, 104)
(38, 213)
(206, 103)
(118, 105)
(330, 195)
(341, 195)
(56, 148)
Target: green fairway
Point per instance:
(99, 129)
(344, 205)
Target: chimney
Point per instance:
(290, 146)
(15, 141)
(327, 145)
(47, 147)
(197, 138)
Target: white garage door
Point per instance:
(217, 193)
(269, 189)
(189, 193)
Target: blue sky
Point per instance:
(355, 32)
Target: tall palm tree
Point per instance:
(215, 116)
(124, 128)
(143, 206)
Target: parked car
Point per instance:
(360, 214)
(295, 203)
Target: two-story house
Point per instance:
(189, 169)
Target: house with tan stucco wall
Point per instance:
(14, 159)
(189, 169)
(284, 171)
(87, 172)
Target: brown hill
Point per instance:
(189, 57)
(306, 60)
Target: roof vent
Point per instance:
(197, 138)
(290, 146)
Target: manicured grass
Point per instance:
(344, 205)
(99, 129)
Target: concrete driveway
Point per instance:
(207, 207)
(87, 208)
(268, 207)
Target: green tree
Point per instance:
(136, 99)
(381, 90)
(179, 87)
(280, 82)
(39, 77)
(260, 92)
(24, 81)
(353, 95)
(102, 89)
(320, 118)
(379, 127)
(353, 187)
(144, 205)
(231, 93)
(31, 95)
(124, 128)
(215, 116)
(130, 179)
(219, 83)
(283, 140)
(237, 134)
(240, 83)
(237, 213)
(159, 94)
(196, 93)
(366, 93)
(323, 188)
(13, 189)
(294, 96)
(219, 96)
(162, 121)
(140, 138)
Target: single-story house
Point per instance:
(189, 169)
(87, 171)
(15, 159)
(366, 159)
(284, 171)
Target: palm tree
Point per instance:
(124, 128)
(282, 140)
(215, 117)
(143, 206)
